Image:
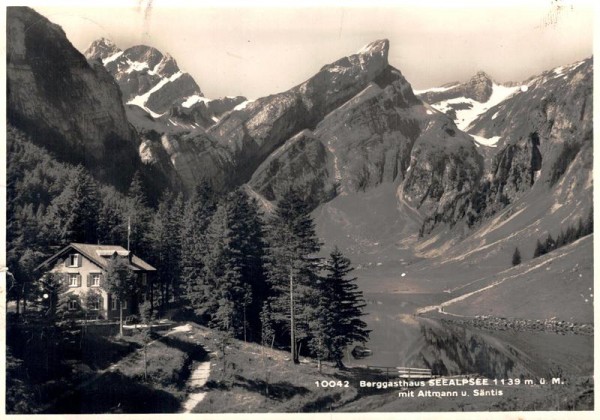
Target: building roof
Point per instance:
(100, 254)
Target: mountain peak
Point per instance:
(100, 49)
(104, 41)
(370, 60)
(379, 47)
(479, 87)
(481, 76)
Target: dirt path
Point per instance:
(197, 380)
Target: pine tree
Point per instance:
(73, 215)
(339, 311)
(516, 258)
(561, 239)
(292, 270)
(195, 246)
(26, 249)
(580, 230)
(266, 323)
(539, 249)
(175, 221)
(223, 274)
(137, 218)
(25, 277)
(550, 243)
(233, 273)
(122, 283)
(247, 231)
(589, 222)
(54, 298)
(164, 237)
(112, 218)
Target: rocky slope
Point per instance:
(354, 125)
(531, 136)
(154, 82)
(72, 108)
(542, 132)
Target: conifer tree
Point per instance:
(233, 273)
(550, 243)
(580, 230)
(561, 239)
(112, 218)
(122, 283)
(570, 235)
(137, 218)
(539, 249)
(223, 274)
(164, 237)
(589, 222)
(516, 258)
(339, 311)
(54, 297)
(266, 323)
(292, 270)
(73, 215)
(195, 246)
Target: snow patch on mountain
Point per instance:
(141, 100)
(194, 99)
(491, 142)
(136, 66)
(434, 89)
(112, 57)
(473, 109)
(242, 105)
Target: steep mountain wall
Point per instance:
(531, 137)
(68, 106)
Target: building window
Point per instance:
(114, 304)
(95, 304)
(73, 279)
(95, 280)
(73, 260)
(72, 305)
(124, 304)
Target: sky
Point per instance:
(260, 50)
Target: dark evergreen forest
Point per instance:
(220, 260)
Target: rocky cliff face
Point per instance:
(72, 108)
(255, 131)
(383, 134)
(154, 82)
(302, 163)
(354, 125)
(542, 132)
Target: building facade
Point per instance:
(82, 268)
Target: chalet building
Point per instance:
(83, 267)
